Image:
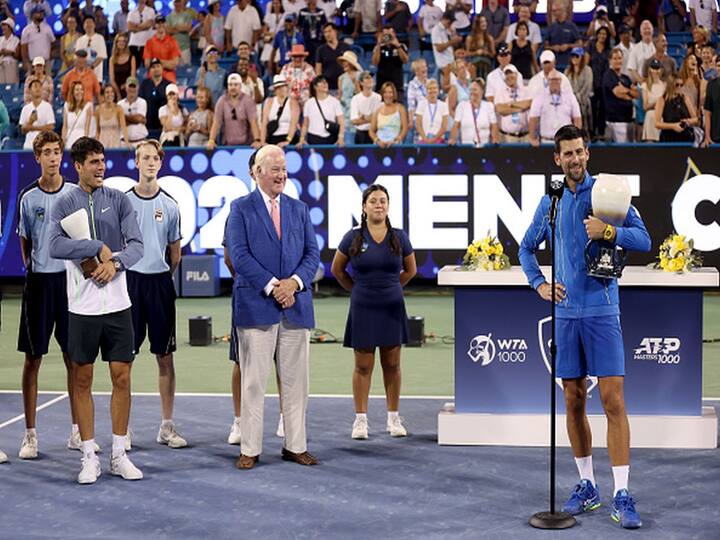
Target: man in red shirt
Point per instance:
(83, 73)
(164, 47)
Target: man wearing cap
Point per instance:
(326, 61)
(283, 43)
(534, 34)
(36, 116)
(36, 39)
(153, 91)
(163, 47)
(512, 103)
(666, 61)
(30, 5)
(135, 110)
(562, 36)
(236, 114)
(39, 74)
(299, 74)
(94, 44)
(211, 75)
(82, 72)
(600, 20)
(140, 23)
(444, 38)
(242, 24)
(9, 53)
(496, 78)
(626, 45)
(552, 109)
(539, 82)
(179, 24)
(642, 50)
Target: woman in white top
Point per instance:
(475, 120)
(653, 88)
(172, 118)
(201, 119)
(9, 54)
(77, 115)
(281, 113)
(431, 116)
(272, 24)
(320, 112)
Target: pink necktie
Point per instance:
(275, 215)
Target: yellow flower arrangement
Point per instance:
(677, 255)
(486, 254)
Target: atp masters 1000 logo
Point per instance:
(663, 350)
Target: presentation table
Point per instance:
(502, 361)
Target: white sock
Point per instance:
(585, 468)
(118, 444)
(620, 475)
(75, 429)
(392, 415)
(31, 431)
(281, 418)
(237, 419)
(88, 448)
(166, 422)
(361, 416)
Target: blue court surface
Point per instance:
(379, 488)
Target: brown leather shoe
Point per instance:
(304, 458)
(246, 462)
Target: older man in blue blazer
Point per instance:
(273, 249)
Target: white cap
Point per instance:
(510, 67)
(38, 61)
(235, 78)
(279, 80)
(9, 22)
(171, 88)
(547, 56)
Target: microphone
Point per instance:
(555, 191)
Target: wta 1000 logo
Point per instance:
(663, 350)
(484, 349)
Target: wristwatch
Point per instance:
(608, 232)
(117, 263)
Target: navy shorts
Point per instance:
(153, 310)
(44, 308)
(110, 334)
(590, 346)
(233, 353)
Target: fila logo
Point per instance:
(196, 275)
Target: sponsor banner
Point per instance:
(502, 351)
(443, 197)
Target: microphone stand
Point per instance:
(552, 519)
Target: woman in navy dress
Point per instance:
(383, 262)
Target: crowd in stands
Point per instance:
(297, 72)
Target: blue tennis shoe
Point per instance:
(623, 511)
(584, 498)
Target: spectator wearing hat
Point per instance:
(652, 89)
(533, 30)
(496, 78)
(626, 44)
(280, 115)
(298, 74)
(562, 36)
(94, 44)
(211, 75)
(326, 60)
(119, 23)
(179, 25)
(29, 6)
(711, 109)
(311, 21)
(173, 118)
(539, 82)
(551, 109)
(668, 62)
(135, 110)
(512, 105)
(36, 116)
(601, 20)
(389, 55)
(522, 53)
(242, 24)
(152, 90)
(619, 92)
(363, 106)
(162, 46)
(82, 72)
(283, 43)
(497, 16)
(348, 84)
(236, 116)
(704, 13)
(140, 23)
(581, 79)
(36, 39)
(9, 53)
(444, 38)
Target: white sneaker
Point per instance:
(90, 471)
(3, 457)
(122, 466)
(360, 428)
(395, 427)
(281, 428)
(234, 437)
(128, 440)
(75, 443)
(29, 447)
(169, 435)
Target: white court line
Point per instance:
(40, 408)
(220, 394)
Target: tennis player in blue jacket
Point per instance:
(588, 332)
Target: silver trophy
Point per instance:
(610, 203)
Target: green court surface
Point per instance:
(427, 371)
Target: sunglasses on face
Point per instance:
(234, 114)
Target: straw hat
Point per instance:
(351, 58)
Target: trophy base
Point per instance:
(605, 273)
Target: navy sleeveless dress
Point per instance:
(377, 316)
